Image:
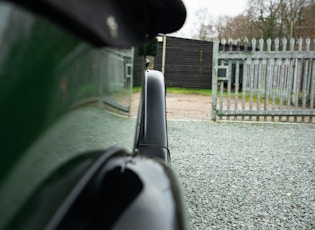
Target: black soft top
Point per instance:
(113, 22)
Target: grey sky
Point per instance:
(215, 8)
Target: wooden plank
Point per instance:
(214, 80)
(312, 94)
(298, 82)
(281, 85)
(304, 88)
(293, 113)
(251, 85)
(229, 76)
(221, 97)
(266, 54)
(257, 85)
(245, 68)
(274, 86)
(236, 86)
(290, 84)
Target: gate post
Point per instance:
(215, 59)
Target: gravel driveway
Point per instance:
(241, 175)
(245, 175)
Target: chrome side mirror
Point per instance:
(147, 63)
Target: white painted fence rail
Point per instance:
(264, 80)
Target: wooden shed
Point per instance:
(138, 68)
(187, 63)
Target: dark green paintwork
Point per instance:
(36, 212)
(32, 50)
(46, 75)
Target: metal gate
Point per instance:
(264, 83)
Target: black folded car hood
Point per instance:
(113, 22)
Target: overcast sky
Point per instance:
(215, 8)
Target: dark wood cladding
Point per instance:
(188, 63)
(138, 69)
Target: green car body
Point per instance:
(64, 113)
(52, 103)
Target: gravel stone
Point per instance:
(245, 175)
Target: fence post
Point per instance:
(214, 79)
(164, 54)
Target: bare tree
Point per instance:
(278, 18)
(224, 31)
(205, 28)
(262, 19)
(234, 27)
(305, 27)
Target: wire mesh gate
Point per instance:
(250, 83)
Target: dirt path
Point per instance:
(198, 107)
(182, 106)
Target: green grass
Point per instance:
(175, 90)
(136, 89)
(208, 92)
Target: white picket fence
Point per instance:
(264, 80)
